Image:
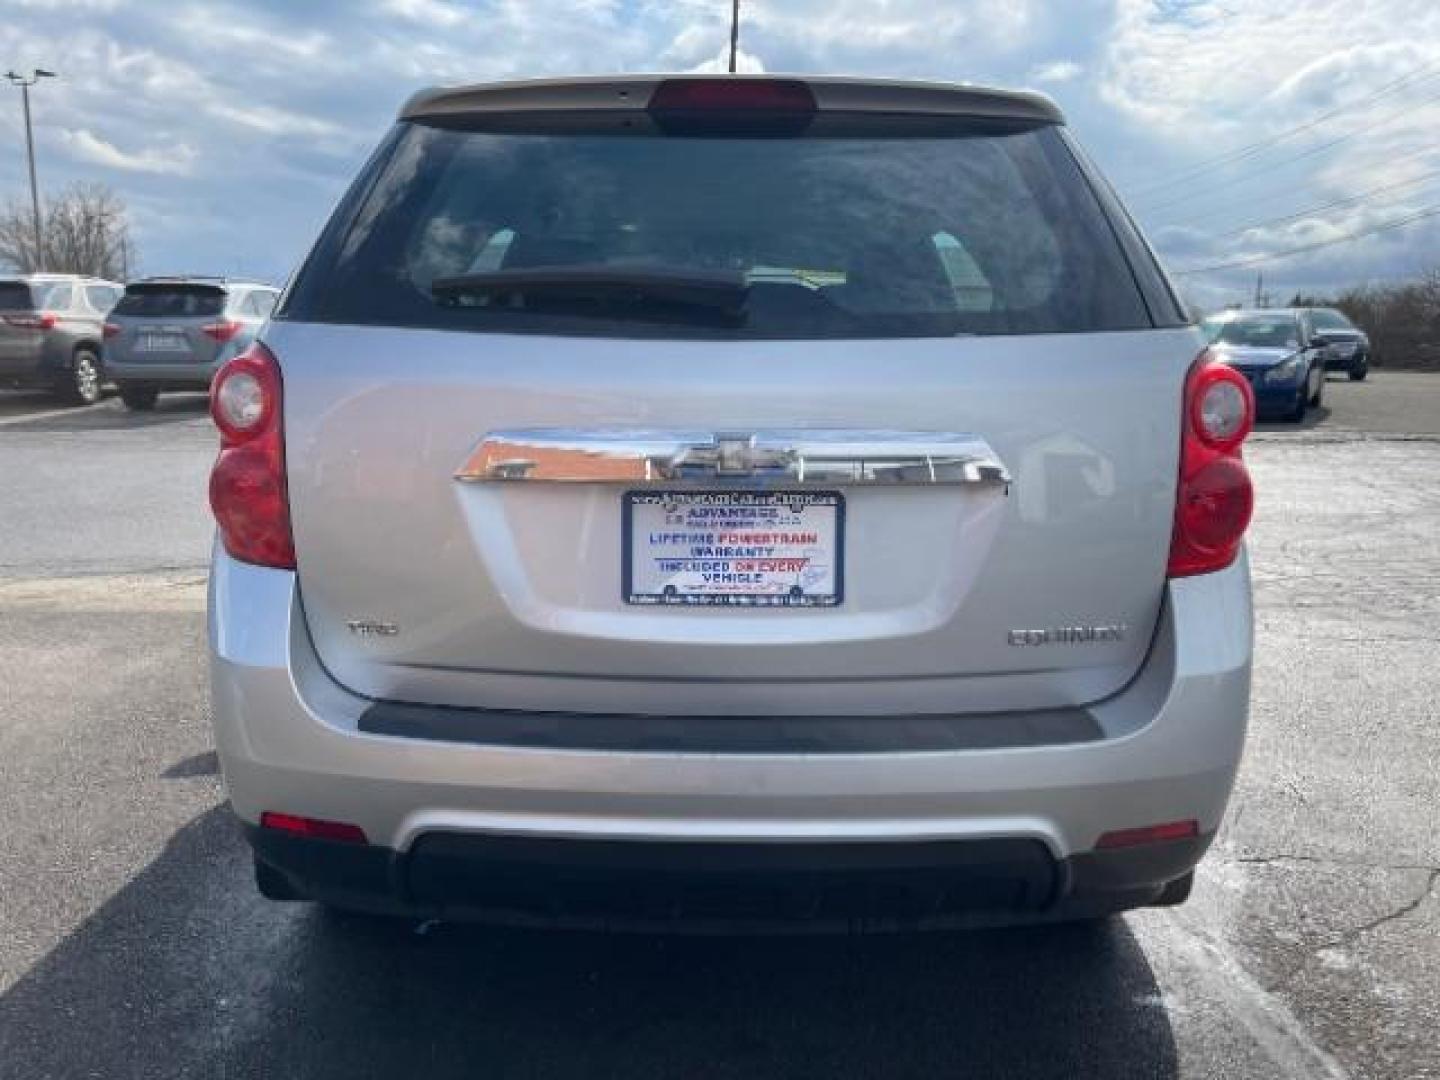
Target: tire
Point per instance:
(1359, 371)
(139, 398)
(1318, 398)
(81, 384)
(1302, 400)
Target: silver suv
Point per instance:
(51, 333)
(730, 500)
(173, 333)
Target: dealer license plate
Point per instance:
(149, 341)
(735, 548)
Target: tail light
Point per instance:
(313, 828)
(221, 331)
(45, 320)
(247, 485)
(1214, 498)
(111, 330)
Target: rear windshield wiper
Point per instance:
(605, 289)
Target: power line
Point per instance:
(1257, 260)
(1287, 192)
(1319, 148)
(1335, 204)
(1260, 145)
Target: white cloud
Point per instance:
(1203, 69)
(1059, 71)
(1199, 79)
(745, 63)
(436, 13)
(271, 120)
(181, 106)
(84, 145)
(56, 5)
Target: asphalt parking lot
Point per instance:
(133, 945)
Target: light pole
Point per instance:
(734, 32)
(25, 83)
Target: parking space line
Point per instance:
(26, 417)
(1270, 1023)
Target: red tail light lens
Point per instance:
(111, 330)
(732, 106)
(1214, 497)
(45, 320)
(221, 331)
(247, 485)
(1149, 834)
(313, 828)
(766, 95)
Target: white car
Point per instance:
(725, 501)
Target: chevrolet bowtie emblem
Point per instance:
(734, 455)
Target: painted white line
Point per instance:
(1265, 1017)
(25, 418)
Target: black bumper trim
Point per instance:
(731, 734)
(720, 886)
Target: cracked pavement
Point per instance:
(132, 943)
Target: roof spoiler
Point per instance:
(635, 93)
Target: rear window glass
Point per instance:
(260, 303)
(171, 301)
(976, 232)
(14, 296)
(1330, 320)
(103, 297)
(1260, 331)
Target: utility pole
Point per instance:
(25, 83)
(734, 33)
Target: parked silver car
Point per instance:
(728, 500)
(173, 333)
(51, 333)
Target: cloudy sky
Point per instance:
(231, 127)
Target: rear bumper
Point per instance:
(1277, 400)
(168, 376)
(290, 739)
(588, 884)
(1353, 362)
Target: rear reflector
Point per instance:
(1149, 834)
(728, 95)
(313, 828)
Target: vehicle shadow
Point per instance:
(18, 403)
(186, 972)
(109, 414)
(1314, 418)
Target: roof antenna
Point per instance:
(734, 32)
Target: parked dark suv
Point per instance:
(51, 333)
(1349, 346)
(173, 333)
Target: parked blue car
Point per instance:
(1279, 352)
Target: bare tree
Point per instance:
(87, 231)
(1403, 320)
